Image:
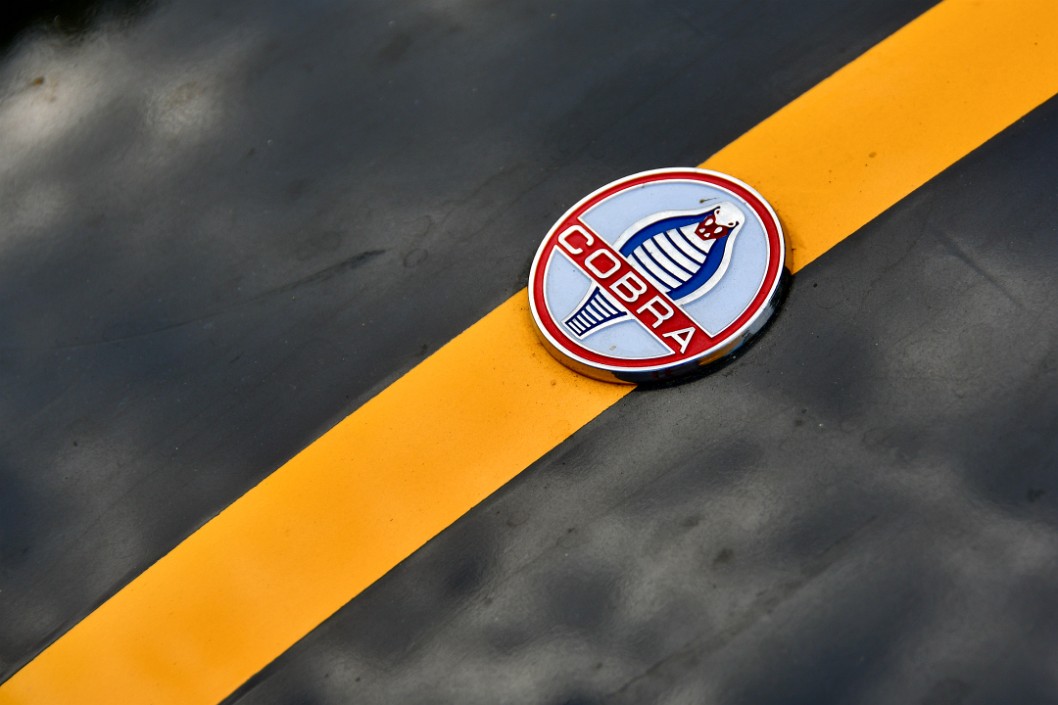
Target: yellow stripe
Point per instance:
(326, 525)
(889, 121)
(412, 460)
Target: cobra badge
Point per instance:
(657, 275)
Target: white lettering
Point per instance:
(590, 263)
(682, 336)
(563, 240)
(629, 287)
(660, 308)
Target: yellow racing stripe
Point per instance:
(894, 118)
(388, 478)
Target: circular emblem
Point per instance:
(657, 274)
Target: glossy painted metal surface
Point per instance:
(186, 305)
(882, 528)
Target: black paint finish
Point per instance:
(226, 226)
(859, 511)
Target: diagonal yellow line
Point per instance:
(336, 517)
(886, 123)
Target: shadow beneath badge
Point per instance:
(684, 376)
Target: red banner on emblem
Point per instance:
(632, 291)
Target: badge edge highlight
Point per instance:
(681, 370)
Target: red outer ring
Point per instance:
(760, 300)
